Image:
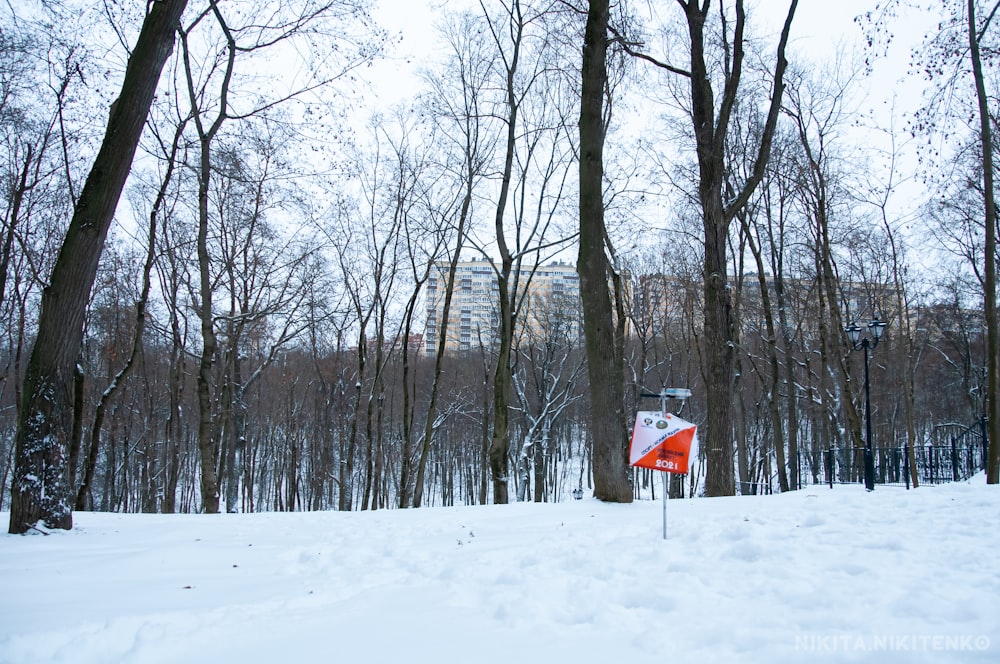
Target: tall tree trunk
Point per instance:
(789, 369)
(484, 446)
(39, 486)
(373, 419)
(379, 491)
(506, 276)
(500, 441)
(795, 476)
(430, 424)
(405, 456)
(904, 353)
(720, 347)
(173, 431)
(710, 125)
(774, 375)
(744, 464)
(238, 436)
(207, 440)
(345, 500)
(605, 365)
(989, 257)
(76, 432)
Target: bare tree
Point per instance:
(604, 345)
(423, 246)
(534, 163)
(949, 58)
(459, 115)
(975, 33)
(39, 490)
(264, 274)
(41, 70)
(368, 247)
(711, 124)
(880, 190)
(211, 94)
(814, 118)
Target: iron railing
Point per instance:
(953, 454)
(955, 460)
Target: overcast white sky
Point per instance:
(819, 29)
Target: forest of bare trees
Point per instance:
(234, 319)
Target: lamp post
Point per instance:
(875, 327)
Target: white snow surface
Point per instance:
(818, 575)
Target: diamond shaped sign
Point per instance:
(661, 442)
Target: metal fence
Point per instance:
(955, 460)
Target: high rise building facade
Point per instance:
(550, 290)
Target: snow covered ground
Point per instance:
(818, 575)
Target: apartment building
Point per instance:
(552, 290)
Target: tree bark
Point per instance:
(207, 441)
(39, 488)
(605, 364)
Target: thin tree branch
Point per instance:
(627, 47)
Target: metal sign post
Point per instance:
(665, 485)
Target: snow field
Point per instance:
(817, 575)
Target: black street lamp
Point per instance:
(875, 328)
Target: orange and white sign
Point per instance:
(661, 442)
